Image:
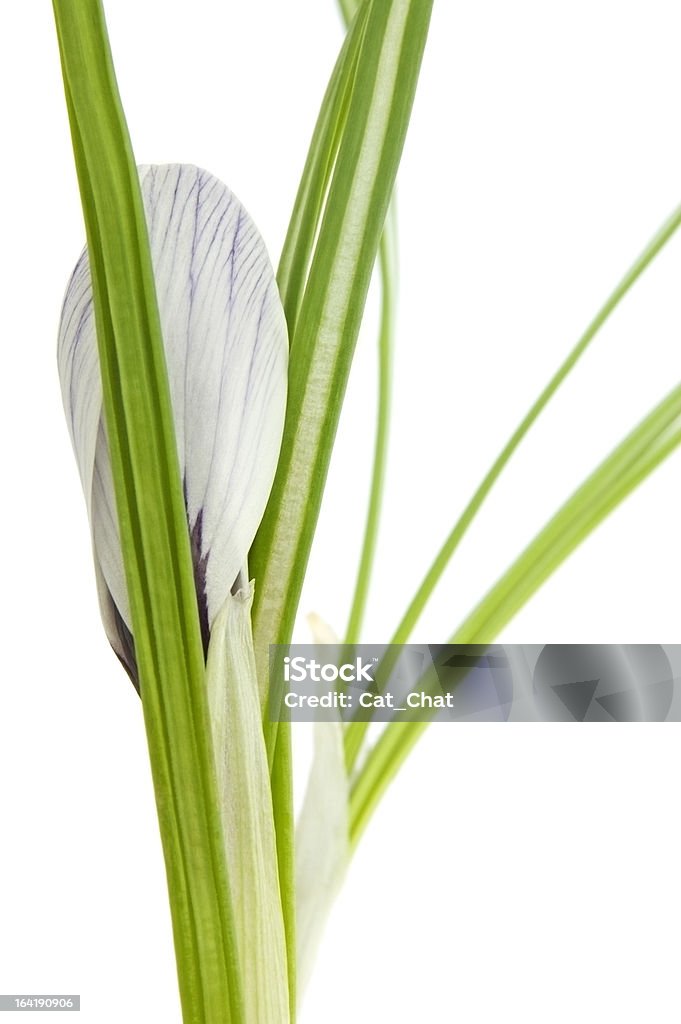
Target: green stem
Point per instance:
(284, 823)
(388, 262)
(356, 732)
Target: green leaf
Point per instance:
(388, 268)
(292, 276)
(350, 173)
(326, 329)
(348, 9)
(634, 458)
(152, 520)
(610, 483)
(388, 258)
(246, 800)
(296, 255)
(356, 731)
(654, 246)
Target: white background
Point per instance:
(520, 873)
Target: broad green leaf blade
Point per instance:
(614, 479)
(246, 800)
(356, 731)
(331, 310)
(152, 520)
(322, 832)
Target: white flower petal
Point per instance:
(226, 351)
(245, 793)
(322, 844)
(105, 536)
(78, 364)
(323, 828)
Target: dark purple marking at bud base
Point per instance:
(199, 561)
(125, 648)
(125, 652)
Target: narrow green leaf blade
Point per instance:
(296, 255)
(386, 344)
(388, 260)
(331, 310)
(356, 731)
(659, 240)
(323, 327)
(152, 519)
(632, 461)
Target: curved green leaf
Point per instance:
(356, 732)
(152, 520)
(330, 313)
(615, 478)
